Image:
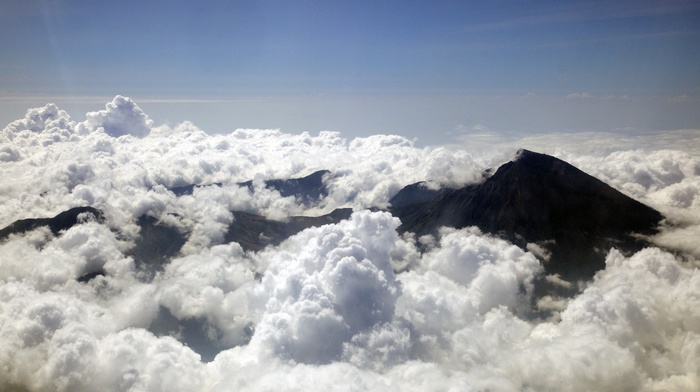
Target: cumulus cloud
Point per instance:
(9, 154)
(120, 117)
(39, 120)
(333, 283)
(351, 305)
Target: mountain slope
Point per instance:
(540, 199)
(568, 218)
(63, 221)
(307, 190)
(254, 232)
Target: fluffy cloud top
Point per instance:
(120, 117)
(333, 283)
(350, 306)
(40, 119)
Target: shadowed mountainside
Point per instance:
(158, 243)
(307, 190)
(254, 232)
(568, 218)
(63, 221)
(539, 199)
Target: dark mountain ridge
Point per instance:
(308, 189)
(158, 243)
(572, 217)
(540, 199)
(63, 221)
(254, 232)
(417, 193)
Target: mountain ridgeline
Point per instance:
(568, 218)
(307, 190)
(63, 221)
(538, 199)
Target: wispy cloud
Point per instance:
(683, 98)
(578, 95)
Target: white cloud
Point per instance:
(333, 283)
(578, 95)
(120, 117)
(667, 180)
(9, 154)
(491, 269)
(48, 118)
(351, 305)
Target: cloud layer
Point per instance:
(350, 306)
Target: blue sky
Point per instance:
(411, 67)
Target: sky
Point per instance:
(436, 72)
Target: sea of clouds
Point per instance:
(348, 306)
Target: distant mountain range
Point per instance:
(308, 190)
(566, 217)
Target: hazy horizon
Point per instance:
(434, 72)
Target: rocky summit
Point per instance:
(567, 217)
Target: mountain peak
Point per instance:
(537, 198)
(526, 153)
